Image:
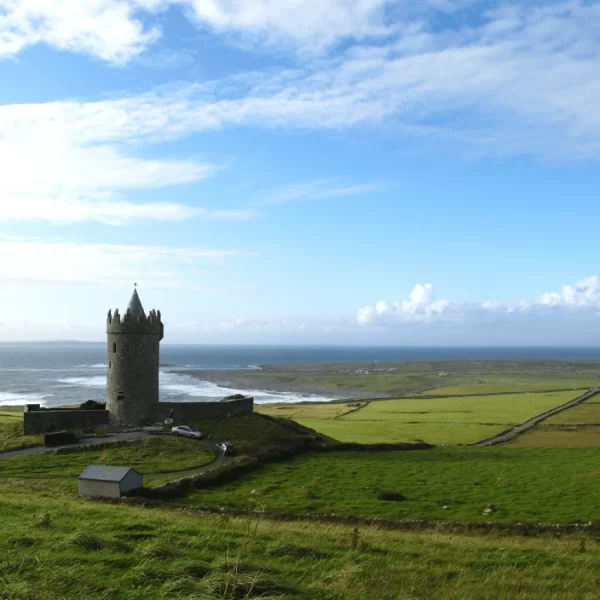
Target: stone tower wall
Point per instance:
(133, 360)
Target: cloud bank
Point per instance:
(422, 308)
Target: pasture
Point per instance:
(577, 427)
(395, 379)
(60, 547)
(459, 420)
(457, 484)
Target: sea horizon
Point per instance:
(64, 372)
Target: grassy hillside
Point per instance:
(150, 455)
(546, 485)
(461, 420)
(58, 547)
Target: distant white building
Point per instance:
(109, 482)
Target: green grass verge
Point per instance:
(59, 547)
(150, 455)
(546, 485)
(460, 420)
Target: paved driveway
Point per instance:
(113, 437)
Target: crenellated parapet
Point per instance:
(135, 323)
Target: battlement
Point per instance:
(135, 323)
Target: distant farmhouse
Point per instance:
(132, 383)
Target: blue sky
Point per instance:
(352, 172)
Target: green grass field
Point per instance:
(566, 436)
(328, 410)
(545, 485)
(10, 416)
(462, 420)
(150, 455)
(12, 438)
(57, 547)
(584, 414)
(404, 379)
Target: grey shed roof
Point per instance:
(135, 305)
(101, 473)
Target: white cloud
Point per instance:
(526, 81)
(66, 209)
(106, 29)
(291, 21)
(422, 307)
(36, 262)
(317, 190)
(66, 163)
(585, 293)
(112, 30)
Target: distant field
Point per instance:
(513, 386)
(584, 414)
(568, 436)
(462, 420)
(547, 485)
(310, 411)
(412, 378)
(577, 427)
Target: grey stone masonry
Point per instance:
(133, 360)
(190, 412)
(43, 421)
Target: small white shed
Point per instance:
(109, 482)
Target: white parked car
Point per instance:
(184, 431)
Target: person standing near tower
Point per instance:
(133, 361)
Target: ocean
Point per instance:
(59, 373)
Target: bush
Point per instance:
(93, 405)
(101, 432)
(391, 496)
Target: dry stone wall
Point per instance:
(198, 411)
(43, 421)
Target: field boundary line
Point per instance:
(352, 410)
(526, 528)
(511, 433)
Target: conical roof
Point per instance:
(135, 306)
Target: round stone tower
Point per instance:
(132, 364)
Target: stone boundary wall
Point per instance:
(198, 411)
(43, 421)
(525, 528)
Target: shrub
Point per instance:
(93, 405)
(391, 496)
(101, 432)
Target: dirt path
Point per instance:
(511, 433)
